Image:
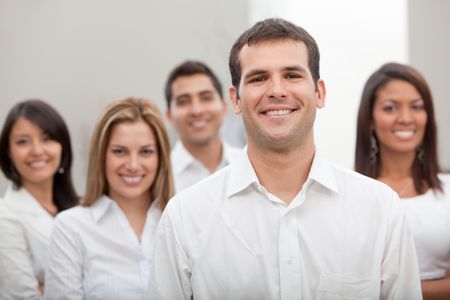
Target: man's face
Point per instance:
(196, 109)
(277, 95)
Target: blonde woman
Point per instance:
(102, 249)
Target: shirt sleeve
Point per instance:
(170, 273)
(17, 279)
(64, 275)
(400, 271)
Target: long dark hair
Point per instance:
(47, 118)
(424, 170)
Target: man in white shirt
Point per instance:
(196, 109)
(282, 222)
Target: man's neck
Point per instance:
(210, 154)
(282, 173)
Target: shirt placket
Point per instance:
(289, 257)
(135, 246)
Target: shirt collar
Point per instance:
(20, 199)
(181, 158)
(321, 172)
(243, 174)
(228, 155)
(101, 206)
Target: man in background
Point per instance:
(195, 108)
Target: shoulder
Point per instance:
(360, 188)
(349, 177)
(445, 179)
(202, 196)
(8, 218)
(73, 216)
(231, 151)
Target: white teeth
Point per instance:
(198, 124)
(404, 134)
(132, 179)
(37, 164)
(278, 112)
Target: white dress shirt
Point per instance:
(343, 236)
(25, 228)
(188, 171)
(429, 219)
(95, 254)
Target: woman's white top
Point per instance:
(95, 254)
(25, 228)
(429, 220)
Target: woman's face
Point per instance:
(399, 117)
(35, 156)
(131, 161)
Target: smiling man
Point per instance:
(196, 109)
(282, 222)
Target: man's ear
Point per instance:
(320, 93)
(235, 101)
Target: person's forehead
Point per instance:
(192, 84)
(285, 51)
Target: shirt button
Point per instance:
(289, 261)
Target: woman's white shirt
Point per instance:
(95, 254)
(25, 228)
(429, 220)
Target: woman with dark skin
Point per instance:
(397, 144)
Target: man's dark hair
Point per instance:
(189, 68)
(273, 29)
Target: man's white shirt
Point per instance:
(343, 236)
(187, 170)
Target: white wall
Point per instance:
(81, 55)
(429, 52)
(355, 37)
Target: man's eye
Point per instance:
(293, 75)
(182, 102)
(206, 98)
(258, 79)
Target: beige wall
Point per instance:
(429, 44)
(80, 55)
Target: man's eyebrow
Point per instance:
(295, 68)
(205, 92)
(255, 72)
(185, 95)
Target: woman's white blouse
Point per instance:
(428, 216)
(25, 228)
(95, 254)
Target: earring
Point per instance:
(373, 149)
(420, 153)
(61, 170)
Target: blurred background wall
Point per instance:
(81, 55)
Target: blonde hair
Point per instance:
(128, 110)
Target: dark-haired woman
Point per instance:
(396, 144)
(36, 156)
